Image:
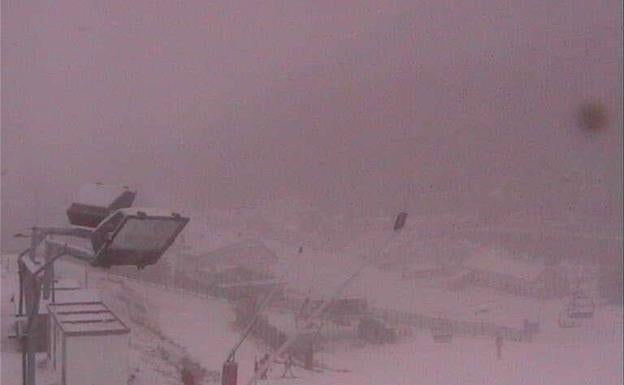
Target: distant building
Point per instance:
(514, 276)
(235, 271)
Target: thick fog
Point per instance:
(357, 107)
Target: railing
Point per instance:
(423, 321)
(459, 327)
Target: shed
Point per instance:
(88, 344)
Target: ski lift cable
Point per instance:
(398, 225)
(265, 302)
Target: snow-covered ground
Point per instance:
(588, 355)
(591, 354)
(168, 325)
(203, 327)
(317, 274)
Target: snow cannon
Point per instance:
(96, 201)
(135, 236)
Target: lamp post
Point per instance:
(127, 236)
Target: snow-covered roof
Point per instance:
(256, 283)
(76, 297)
(492, 261)
(84, 320)
(66, 284)
(150, 211)
(79, 307)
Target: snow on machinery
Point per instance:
(96, 201)
(118, 235)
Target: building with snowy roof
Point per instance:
(238, 270)
(514, 276)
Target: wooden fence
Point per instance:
(458, 327)
(268, 334)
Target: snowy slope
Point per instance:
(202, 329)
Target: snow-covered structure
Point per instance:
(67, 294)
(513, 275)
(233, 271)
(96, 200)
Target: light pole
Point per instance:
(127, 236)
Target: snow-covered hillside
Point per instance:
(172, 329)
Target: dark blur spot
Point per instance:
(592, 117)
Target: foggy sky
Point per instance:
(434, 105)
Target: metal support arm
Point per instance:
(30, 272)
